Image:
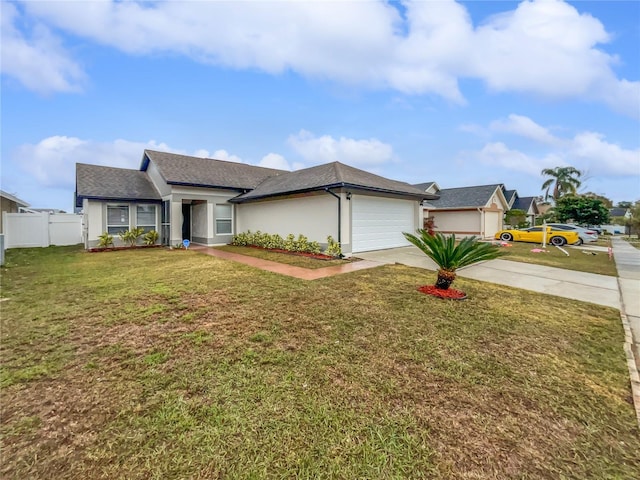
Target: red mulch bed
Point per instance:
(450, 293)
(317, 256)
(112, 249)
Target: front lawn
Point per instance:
(289, 259)
(591, 262)
(154, 364)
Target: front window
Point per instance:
(224, 219)
(117, 219)
(146, 217)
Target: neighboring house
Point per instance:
(207, 201)
(477, 210)
(620, 212)
(529, 205)
(9, 204)
(48, 210)
(510, 196)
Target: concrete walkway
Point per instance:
(627, 260)
(283, 269)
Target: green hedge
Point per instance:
(290, 244)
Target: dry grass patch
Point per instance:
(152, 364)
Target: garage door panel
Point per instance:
(378, 223)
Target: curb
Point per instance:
(634, 376)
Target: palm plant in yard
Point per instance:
(449, 255)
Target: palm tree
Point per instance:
(449, 256)
(564, 180)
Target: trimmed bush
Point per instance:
(275, 241)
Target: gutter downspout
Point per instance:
(339, 214)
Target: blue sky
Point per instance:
(465, 93)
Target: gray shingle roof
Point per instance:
(464, 197)
(95, 181)
(509, 194)
(207, 172)
(333, 174)
(523, 203)
(423, 186)
(618, 211)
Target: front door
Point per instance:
(186, 221)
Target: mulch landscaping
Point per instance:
(450, 293)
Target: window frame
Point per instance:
(146, 227)
(121, 226)
(225, 219)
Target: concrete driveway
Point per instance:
(587, 287)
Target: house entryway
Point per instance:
(186, 221)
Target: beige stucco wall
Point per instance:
(6, 206)
(313, 216)
(94, 221)
(458, 221)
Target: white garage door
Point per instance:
(378, 223)
(492, 223)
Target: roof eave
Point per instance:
(417, 196)
(119, 199)
(203, 185)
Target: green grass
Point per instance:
(554, 257)
(151, 365)
(289, 259)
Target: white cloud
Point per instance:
(224, 155)
(51, 162)
(498, 154)
(274, 160)
(39, 61)
(600, 157)
(525, 127)
(324, 149)
(546, 48)
(586, 151)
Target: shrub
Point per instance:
(333, 248)
(105, 240)
(290, 243)
(302, 244)
(276, 242)
(151, 237)
(131, 236)
(314, 247)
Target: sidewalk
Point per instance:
(627, 260)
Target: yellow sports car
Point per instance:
(534, 235)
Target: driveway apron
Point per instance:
(587, 287)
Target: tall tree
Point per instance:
(582, 210)
(564, 180)
(605, 201)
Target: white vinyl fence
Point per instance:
(41, 229)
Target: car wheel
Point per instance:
(558, 241)
(507, 237)
(579, 242)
